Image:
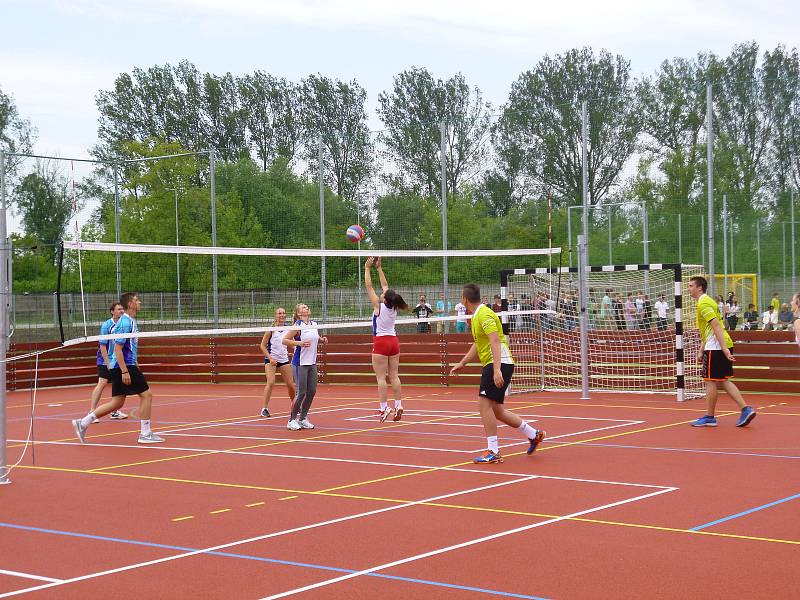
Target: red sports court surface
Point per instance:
(623, 500)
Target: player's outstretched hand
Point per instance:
(454, 371)
(369, 262)
(378, 263)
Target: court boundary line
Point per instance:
(745, 512)
(22, 575)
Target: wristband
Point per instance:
(125, 372)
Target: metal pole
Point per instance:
(323, 272)
(794, 264)
(569, 235)
(443, 166)
(783, 252)
(215, 272)
(116, 229)
(680, 240)
(702, 240)
(584, 322)
(710, 184)
(610, 254)
(646, 235)
(4, 479)
(358, 266)
(585, 172)
(725, 241)
(177, 255)
(758, 264)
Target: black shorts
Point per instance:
(489, 389)
(103, 372)
(716, 367)
(278, 364)
(137, 386)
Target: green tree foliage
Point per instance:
(16, 134)
(413, 112)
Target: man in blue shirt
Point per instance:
(126, 378)
(104, 359)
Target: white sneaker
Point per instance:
(293, 425)
(80, 430)
(150, 438)
(306, 424)
(118, 415)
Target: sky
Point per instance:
(56, 55)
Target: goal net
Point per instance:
(643, 334)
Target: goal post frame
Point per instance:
(677, 270)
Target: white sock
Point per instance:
(492, 439)
(145, 426)
(384, 406)
(398, 404)
(528, 431)
(88, 419)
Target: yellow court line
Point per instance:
(400, 501)
(288, 498)
(255, 504)
(286, 441)
(221, 510)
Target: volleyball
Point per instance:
(355, 233)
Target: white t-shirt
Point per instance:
(277, 349)
(461, 311)
(308, 333)
(383, 321)
(769, 317)
(661, 309)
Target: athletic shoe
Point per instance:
(306, 424)
(705, 421)
(293, 425)
(489, 457)
(748, 414)
(118, 415)
(385, 414)
(150, 438)
(265, 413)
(80, 430)
(398, 414)
(535, 440)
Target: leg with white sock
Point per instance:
(380, 366)
(397, 388)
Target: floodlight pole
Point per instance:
(443, 168)
(323, 273)
(4, 471)
(116, 229)
(710, 184)
(214, 262)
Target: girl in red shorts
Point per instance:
(385, 347)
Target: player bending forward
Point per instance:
(491, 348)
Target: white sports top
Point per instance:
(383, 322)
(277, 349)
(308, 333)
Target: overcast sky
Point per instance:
(56, 54)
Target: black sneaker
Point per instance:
(265, 412)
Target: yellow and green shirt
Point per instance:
(484, 322)
(707, 311)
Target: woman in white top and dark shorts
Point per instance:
(385, 347)
(307, 373)
(276, 358)
(796, 311)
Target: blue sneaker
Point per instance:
(705, 421)
(535, 440)
(748, 414)
(489, 457)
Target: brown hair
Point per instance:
(394, 300)
(114, 305)
(700, 282)
(472, 292)
(127, 298)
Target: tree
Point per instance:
(271, 116)
(16, 133)
(334, 112)
(45, 203)
(413, 112)
(539, 137)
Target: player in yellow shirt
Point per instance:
(716, 354)
(492, 349)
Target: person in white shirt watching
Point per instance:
(769, 319)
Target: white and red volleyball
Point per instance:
(355, 233)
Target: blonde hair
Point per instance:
(296, 313)
(277, 308)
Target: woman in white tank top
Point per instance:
(276, 358)
(385, 346)
(796, 311)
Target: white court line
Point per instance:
(365, 420)
(563, 435)
(471, 415)
(29, 576)
(261, 537)
(366, 462)
(458, 546)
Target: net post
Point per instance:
(323, 272)
(710, 184)
(443, 175)
(214, 261)
(116, 235)
(4, 471)
(58, 289)
(584, 320)
(680, 376)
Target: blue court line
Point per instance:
(745, 512)
(271, 560)
(690, 450)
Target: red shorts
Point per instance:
(386, 345)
